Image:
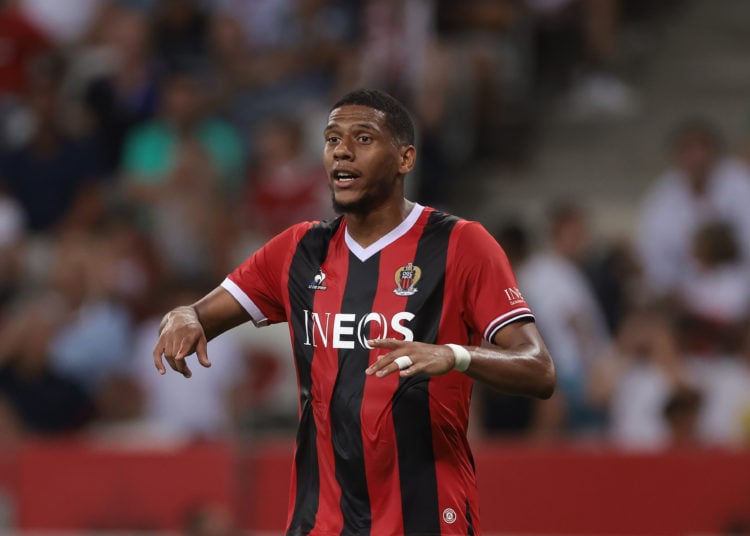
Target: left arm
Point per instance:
(517, 363)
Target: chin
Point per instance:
(359, 205)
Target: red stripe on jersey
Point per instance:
(378, 433)
(449, 403)
(325, 364)
(450, 399)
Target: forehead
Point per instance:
(356, 114)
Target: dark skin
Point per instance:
(366, 169)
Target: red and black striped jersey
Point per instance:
(381, 456)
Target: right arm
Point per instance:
(187, 329)
(254, 288)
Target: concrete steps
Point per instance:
(700, 67)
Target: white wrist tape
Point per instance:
(462, 355)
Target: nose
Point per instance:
(343, 151)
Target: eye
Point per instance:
(332, 138)
(364, 138)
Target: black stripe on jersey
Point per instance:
(311, 251)
(411, 402)
(346, 402)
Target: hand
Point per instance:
(431, 359)
(180, 335)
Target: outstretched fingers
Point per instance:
(394, 361)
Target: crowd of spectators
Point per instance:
(148, 146)
(651, 336)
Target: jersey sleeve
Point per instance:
(258, 283)
(491, 298)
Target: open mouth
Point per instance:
(343, 177)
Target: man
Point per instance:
(703, 186)
(570, 316)
(373, 298)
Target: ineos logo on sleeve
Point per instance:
(344, 330)
(514, 295)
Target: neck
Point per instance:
(366, 229)
(698, 185)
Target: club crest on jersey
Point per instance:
(317, 282)
(406, 279)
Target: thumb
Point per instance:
(201, 350)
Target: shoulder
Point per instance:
(465, 236)
(474, 237)
(462, 236)
(665, 186)
(309, 230)
(149, 131)
(667, 194)
(733, 173)
(218, 128)
(147, 142)
(434, 219)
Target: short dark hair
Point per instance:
(397, 117)
(696, 127)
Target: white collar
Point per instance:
(397, 232)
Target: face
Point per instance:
(696, 155)
(183, 100)
(365, 165)
(572, 235)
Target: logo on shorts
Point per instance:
(449, 516)
(406, 279)
(317, 282)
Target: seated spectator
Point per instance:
(93, 342)
(725, 384)
(634, 379)
(46, 402)
(179, 410)
(681, 412)
(114, 76)
(22, 42)
(284, 186)
(189, 222)
(152, 149)
(714, 297)
(55, 175)
(702, 186)
(614, 271)
(567, 312)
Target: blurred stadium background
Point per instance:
(148, 146)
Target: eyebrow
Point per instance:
(368, 126)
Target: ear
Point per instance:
(407, 158)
